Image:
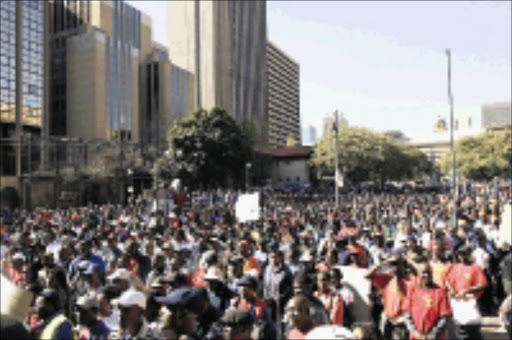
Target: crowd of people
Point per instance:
(378, 266)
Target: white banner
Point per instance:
(247, 207)
(15, 301)
(506, 224)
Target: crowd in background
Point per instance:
(391, 266)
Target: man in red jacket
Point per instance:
(427, 307)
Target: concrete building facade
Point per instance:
(223, 43)
(283, 97)
(126, 36)
(99, 105)
(496, 116)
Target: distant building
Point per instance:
(224, 44)
(496, 116)
(309, 135)
(283, 97)
(329, 121)
(397, 135)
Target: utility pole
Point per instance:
(19, 92)
(452, 146)
(335, 150)
(197, 54)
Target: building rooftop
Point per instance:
(284, 152)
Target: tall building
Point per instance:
(283, 97)
(118, 38)
(496, 116)
(169, 96)
(309, 135)
(223, 43)
(22, 80)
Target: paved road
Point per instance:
(491, 329)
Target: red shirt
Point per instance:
(260, 306)
(426, 305)
(393, 292)
(334, 305)
(461, 276)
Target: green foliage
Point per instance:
(206, 150)
(481, 157)
(291, 142)
(367, 155)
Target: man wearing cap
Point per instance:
(55, 325)
(16, 272)
(183, 305)
(132, 323)
(238, 324)
(121, 278)
(465, 282)
(90, 327)
(247, 298)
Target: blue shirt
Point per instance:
(64, 331)
(99, 332)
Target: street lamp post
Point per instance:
(335, 150)
(247, 180)
(452, 147)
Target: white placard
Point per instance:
(15, 301)
(506, 224)
(247, 207)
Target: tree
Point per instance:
(482, 157)
(291, 142)
(368, 155)
(205, 151)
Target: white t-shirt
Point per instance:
(481, 258)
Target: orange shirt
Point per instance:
(461, 277)
(251, 264)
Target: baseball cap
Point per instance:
(19, 256)
(120, 274)
(306, 257)
(213, 274)
(238, 317)
(88, 301)
(132, 297)
(248, 281)
(184, 297)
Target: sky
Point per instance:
(383, 64)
